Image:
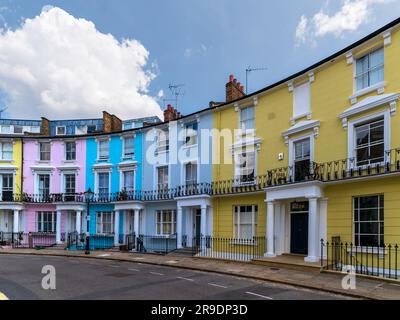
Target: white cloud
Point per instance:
(59, 66)
(198, 50)
(351, 15)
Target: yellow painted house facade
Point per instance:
(11, 205)
(318, 155)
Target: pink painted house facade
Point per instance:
(54, 173)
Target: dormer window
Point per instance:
(61, 131)
(370, 69)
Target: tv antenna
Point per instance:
(248, 71)
(1, 111)
(177, 91)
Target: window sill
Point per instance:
(367, 250)
(379, 87)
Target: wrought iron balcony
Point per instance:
(337, 170)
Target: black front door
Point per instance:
(299, 232)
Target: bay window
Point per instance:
(105, 223)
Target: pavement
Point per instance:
(93, 279)
(366, 288)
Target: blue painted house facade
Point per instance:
(181, 205)
(114, 174)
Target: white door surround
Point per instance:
(278, 201)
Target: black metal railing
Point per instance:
(343, 169)
(157, 244)
(229, 248)
(77, 241)
(8, 238)
(34, 240)
(369, 260)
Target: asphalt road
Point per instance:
(94, 279)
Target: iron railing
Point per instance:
(369, 260)
(78, 241)
(157, 244)
(229, 248)
(336, 170)
(34, 240)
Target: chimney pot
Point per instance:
(231, 77)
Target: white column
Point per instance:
(116, 228)
(16, 221)
(323, 208)
(203, 221)
(179, 226)
(313, 231)
(58, 227)
(270, 230)
(136, 222)
(78, 221)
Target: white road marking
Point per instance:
(157, 274)
(259, 295)
(104, 255)
(137, 270)
(187, 279)
(3, 296)
(217, 285)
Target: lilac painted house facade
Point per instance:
(54, 181)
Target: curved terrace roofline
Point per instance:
(354, 45)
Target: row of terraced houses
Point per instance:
(315, 156)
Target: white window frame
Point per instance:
(156, 175)
(53, 222)
(381, 249)
(238, 153)
(165, 146)
(2, 174)
(64, 182)
(292, 142)
(123, 181)
(2, 143)
(124, 155)
(376, 86)
(66, 151)
(97, 180)
(236, 220)
(183, 180)
(40, 151)
(159, 225)
(63, 128)
(193, 139)
(251, 130)
(99, 142)
(8, 131)
(351, 143)
(101, 222)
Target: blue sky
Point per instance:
(199, 43)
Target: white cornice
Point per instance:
(369, 104)
(302, 126)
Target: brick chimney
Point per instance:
(111, 122)
(234, 90)
(45, 127)
(171, 114)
